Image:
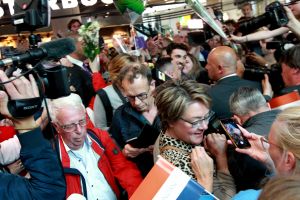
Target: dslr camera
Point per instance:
(275, 16)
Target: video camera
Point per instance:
(30, 15)
(275, 16)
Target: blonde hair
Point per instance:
(287, 186)
(118, 63)
(72, 101)
(173, 97)
(287, 132)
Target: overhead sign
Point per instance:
(65, 4)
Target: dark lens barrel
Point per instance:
(251, 25)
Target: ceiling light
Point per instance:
(107, 1)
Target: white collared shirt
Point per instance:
(234, 74)
(75, 61)
(86, 161)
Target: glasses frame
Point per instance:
(142, 96)
(264, 140)
(199, 123)
(73, 126)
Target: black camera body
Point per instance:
(31, 15)
(275, 16)
(53, 82)
(256, 73)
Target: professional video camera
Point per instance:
(275, 16)
(30, 15)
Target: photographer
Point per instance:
(293, 13)
(290, 70)
(37, 156)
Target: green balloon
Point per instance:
(134, 5)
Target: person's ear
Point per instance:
(290, 162)
(152, 85)
(220, 69)
(295, 70)
(237, 119)
(56, 126)
(171, 124)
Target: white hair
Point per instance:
(72, 101)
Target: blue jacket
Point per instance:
(39, 159)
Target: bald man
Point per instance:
(222, 68)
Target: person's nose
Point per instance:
(78, 128)
(137, 101)
(182, 60)
(205, 125)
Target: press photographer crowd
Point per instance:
(84, 120)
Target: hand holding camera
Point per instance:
(20, 88)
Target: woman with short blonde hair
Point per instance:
(184, 111)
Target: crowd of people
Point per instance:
(85, 144)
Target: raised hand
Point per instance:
(258, 149)
(216, 144)
(202, 166)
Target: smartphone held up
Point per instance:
(235, 134)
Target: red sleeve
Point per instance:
(91, 104)
(98, 81)
(124, 170)
(6, 132)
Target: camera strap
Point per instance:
(22, 108)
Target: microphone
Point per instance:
(55, 49)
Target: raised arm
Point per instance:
(260, 35)
(294, 24)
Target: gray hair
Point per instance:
(245, 99)
(72, 101)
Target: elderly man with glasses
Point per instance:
(91, 160)
(138, 116)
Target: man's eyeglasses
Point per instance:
(73, 126)
(143, 96)
(199, 123)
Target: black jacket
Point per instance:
(221, 92)
(81, 84)
(128, 123)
